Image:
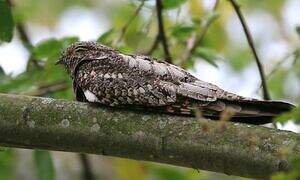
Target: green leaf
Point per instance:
(172, 4)
(182, 31)
(209, 55)
(51, 48)
(44, 165)
(47, 48)
(6, 22)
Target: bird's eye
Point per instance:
(80, 49)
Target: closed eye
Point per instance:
(80, 49)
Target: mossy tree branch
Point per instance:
(231, 148)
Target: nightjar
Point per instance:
(103, 75)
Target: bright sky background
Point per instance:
(86, 24)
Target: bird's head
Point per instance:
(79, 51)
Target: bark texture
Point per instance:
(231, 148)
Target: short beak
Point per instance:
(58, 62)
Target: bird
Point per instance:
(103, 75)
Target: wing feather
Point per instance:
(195, 92)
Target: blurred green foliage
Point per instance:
(7, 163)
(298, 31)
(182, 31)
(6, 22)
(108, 37)
(129, 170)
(208, 55)
(276, 83)
(171, 4)
(185, 21)
(44, 12)
(44, 165)
(160, 172)
(239, 59)
(47, 51)
(271, 6)
(294, 114)
(2, 73)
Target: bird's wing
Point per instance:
(186, 86)
(192, 87)
(172, 77)
(194, 91)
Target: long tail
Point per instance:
(249, 111)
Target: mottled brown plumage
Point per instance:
(103, 75)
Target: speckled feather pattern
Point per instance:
(117, 79)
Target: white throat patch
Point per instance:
(90, 96)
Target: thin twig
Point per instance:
(26, 43)
(161, 31)
(125, 27)
(199, 40)
(24, 36)
(236, 7)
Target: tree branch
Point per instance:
(231, 148)
(236, 7)
(161, 31)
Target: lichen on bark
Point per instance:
(231, 148)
